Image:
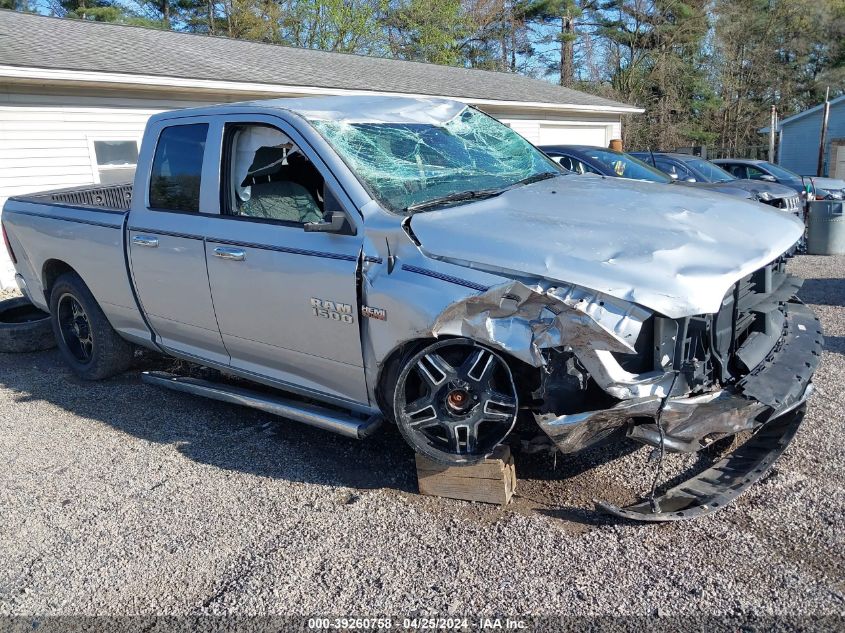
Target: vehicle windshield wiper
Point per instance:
(458, 196)
(543, 175)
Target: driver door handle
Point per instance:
(235, 254)
(145, 240)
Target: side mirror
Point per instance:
(768, 178)
(334, 225)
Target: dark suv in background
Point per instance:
(689, 168)
(586, 159)
(762, 170)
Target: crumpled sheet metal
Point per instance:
(617, 382)
(577, 431)
(671, 249)
(688, 421)
(524, 320)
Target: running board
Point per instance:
(723, 482)
(310, 414)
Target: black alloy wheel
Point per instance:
(455, 401)
(86, 339)
(75, 328)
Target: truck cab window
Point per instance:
(271, 178)
(177, 168)
(754, 173)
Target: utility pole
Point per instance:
(823, 137)
(772, 132)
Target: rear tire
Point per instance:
(85, 338)
(23, 327)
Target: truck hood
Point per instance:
(674, 250)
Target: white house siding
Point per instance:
(46, 140)
(47, 134)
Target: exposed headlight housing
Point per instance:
(764, 196)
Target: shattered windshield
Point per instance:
(410, 164)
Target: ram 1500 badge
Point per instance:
(491, 284)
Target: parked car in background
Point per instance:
(751, 169)
(827, 188)
(586, 159)
(689, 168)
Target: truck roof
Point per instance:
(348, 109)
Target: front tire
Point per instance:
(86, 340)
(455, 401)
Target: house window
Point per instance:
(115, 160)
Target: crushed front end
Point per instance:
(691, 381)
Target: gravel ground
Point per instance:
(120, 498)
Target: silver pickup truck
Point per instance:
(362, 258)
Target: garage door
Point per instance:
(574, 135)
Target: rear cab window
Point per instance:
(177, 168)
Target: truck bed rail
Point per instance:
(113, 197)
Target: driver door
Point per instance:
(286, 300)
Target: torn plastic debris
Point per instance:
(720, 484)
(523, 320)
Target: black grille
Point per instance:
(725, 346)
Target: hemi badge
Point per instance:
(374, 313)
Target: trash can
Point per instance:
(826, 228)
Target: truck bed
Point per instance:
(80, 229)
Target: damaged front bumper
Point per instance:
(777, 385)
(724, 481)
(610, 367)
(768, 400)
